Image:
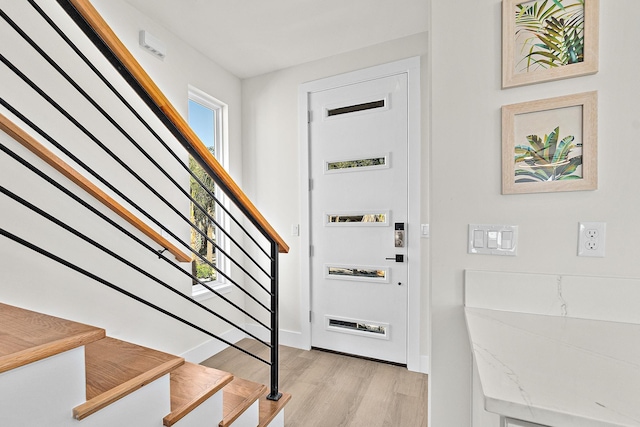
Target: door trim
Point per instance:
(411, 67)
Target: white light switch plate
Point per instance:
(493, 239)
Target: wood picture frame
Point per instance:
(545, 40)
(550, 145)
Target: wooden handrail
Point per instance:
(58, 164)
(102, 29)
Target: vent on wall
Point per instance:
(153, 44)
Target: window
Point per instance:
(206, 116)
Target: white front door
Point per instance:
(358, 138)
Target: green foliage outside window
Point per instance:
(202, 220)
(356, 163)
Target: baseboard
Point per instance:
(211, 347)
(295, 340)
(292, 339)
(425, 365)
(288, 338)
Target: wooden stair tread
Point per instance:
(27, 336)
(117, 368)
(237, 397)
(191, 385)
(270, 408)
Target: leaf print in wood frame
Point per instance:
(550, 145)
(544, 40)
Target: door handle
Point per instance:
(397, 258)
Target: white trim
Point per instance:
(287, 338)
(221, 119)
(292, 339)
(411, 67)
(212, 347)
(425, 365)
(200, 293)
(221, 151)
(413, 232)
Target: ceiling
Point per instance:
(253, 37)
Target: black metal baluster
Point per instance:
(274, 394)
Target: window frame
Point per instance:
(220, 110)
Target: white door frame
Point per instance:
(411, 67)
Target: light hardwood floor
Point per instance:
(332, 390)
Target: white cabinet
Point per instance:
(525, 342)
(510, 422)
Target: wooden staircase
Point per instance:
(58, 373)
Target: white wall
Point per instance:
(182, 66)
(465, 175)
(28, 279)
(271, 152)
(462, 175)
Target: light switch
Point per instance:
(491, 239)
(478, 238)
(507, 239)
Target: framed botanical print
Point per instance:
(550, 145)
(544, 40)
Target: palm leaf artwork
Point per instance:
(550, 33)
(547, 159)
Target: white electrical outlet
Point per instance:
(591, 239)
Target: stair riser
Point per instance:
(205, 415)
(143, 408)
(249, 418)
(44, 392)
(278, 421)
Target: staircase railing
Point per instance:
(254, 245)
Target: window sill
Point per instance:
(200, 293)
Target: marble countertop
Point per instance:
(555, 370)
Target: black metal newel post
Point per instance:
(274, 394)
